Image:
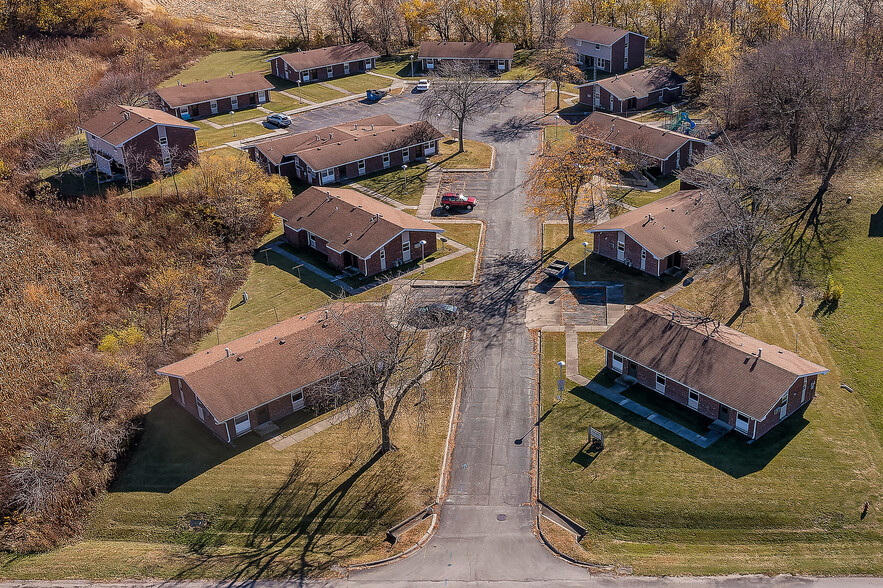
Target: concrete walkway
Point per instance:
(430, 192)
(277, 247)
(613, 394)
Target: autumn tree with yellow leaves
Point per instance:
(565, 178)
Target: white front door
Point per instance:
(200, 410)
(297, 400)
(262, 97)
(234, 103)
(620, 251)
(693, 399)
(643, 259)
(742, 423)
(429, 149)
(346, 68)
(617, 363)
(214, 105)
(406, 247)
(382, 259)
(242, 424)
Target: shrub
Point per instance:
(833, 290)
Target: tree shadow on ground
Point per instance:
(306, 525)
(513, 129)
(500, 288)
(731, 454)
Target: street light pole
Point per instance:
(412, 65)
(557, 118)
(422, 246)
(233, 122)
(405, 172)
(561, 369)
(585, 255)
(299, 97)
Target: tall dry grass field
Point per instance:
(38, 82)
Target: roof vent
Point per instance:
(330, 136)
(179, 82)
(372, 127)
(227, 351)
(355, 127)
(240, 358)
(125, 115)
(281, 341)
(759, 351)
(231, 73)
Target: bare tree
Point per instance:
(750, 193)
(558, 64)
(385, 19)
(301, 13)
(346, 16)
(136, 162)
(461, 94)
(50, 150)
(388, 364)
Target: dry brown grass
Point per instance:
(261, 17)
(37, 83)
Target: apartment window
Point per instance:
(693, 399)
(406, 246)
(200, 410)
(597, 46)
(362, 166)
(163, 141)
(660, 383)
(311, 239)
(386, 160)
(742, 422)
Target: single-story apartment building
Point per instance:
(216, 96)
(123, 140)
(326, 63)
(717, 371)
(633, 91)
(354, 230)
(332, 154)
(657, 237)
(495, 57)
(263, 377)
(662, 151)
(606, 49)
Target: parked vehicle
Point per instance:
(375, 95)
(434, 315)
(454, 200)
(279, 119)
(422, 85)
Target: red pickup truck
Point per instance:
(451, 200)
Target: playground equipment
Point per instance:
(680, 122)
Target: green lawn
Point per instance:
(316, 93)
(667, 185)
(270, 513)
(359, 83)
(221, 63)
(554, 133)
(476, 155)
(855, 328)
(399, 67)
(211, 137)
(238, 116)
(460, 268)
(280, 103)
(638, 286)
(392, 183)
(522, 69)
(789, 503)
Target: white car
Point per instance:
(422, 85)
(278, 119)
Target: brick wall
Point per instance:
(636, 50)
(605, 244)
(617, 56)
(188, 403)
(393, 251)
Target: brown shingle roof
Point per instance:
(259, 369)
(708, 357)
(628, 134)
(640, 83)
(348, 142)
(596, 33)
(303, 60)
(458, 50)
(676, 223)
(206, 90)
(118, 124)
(348, 220)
